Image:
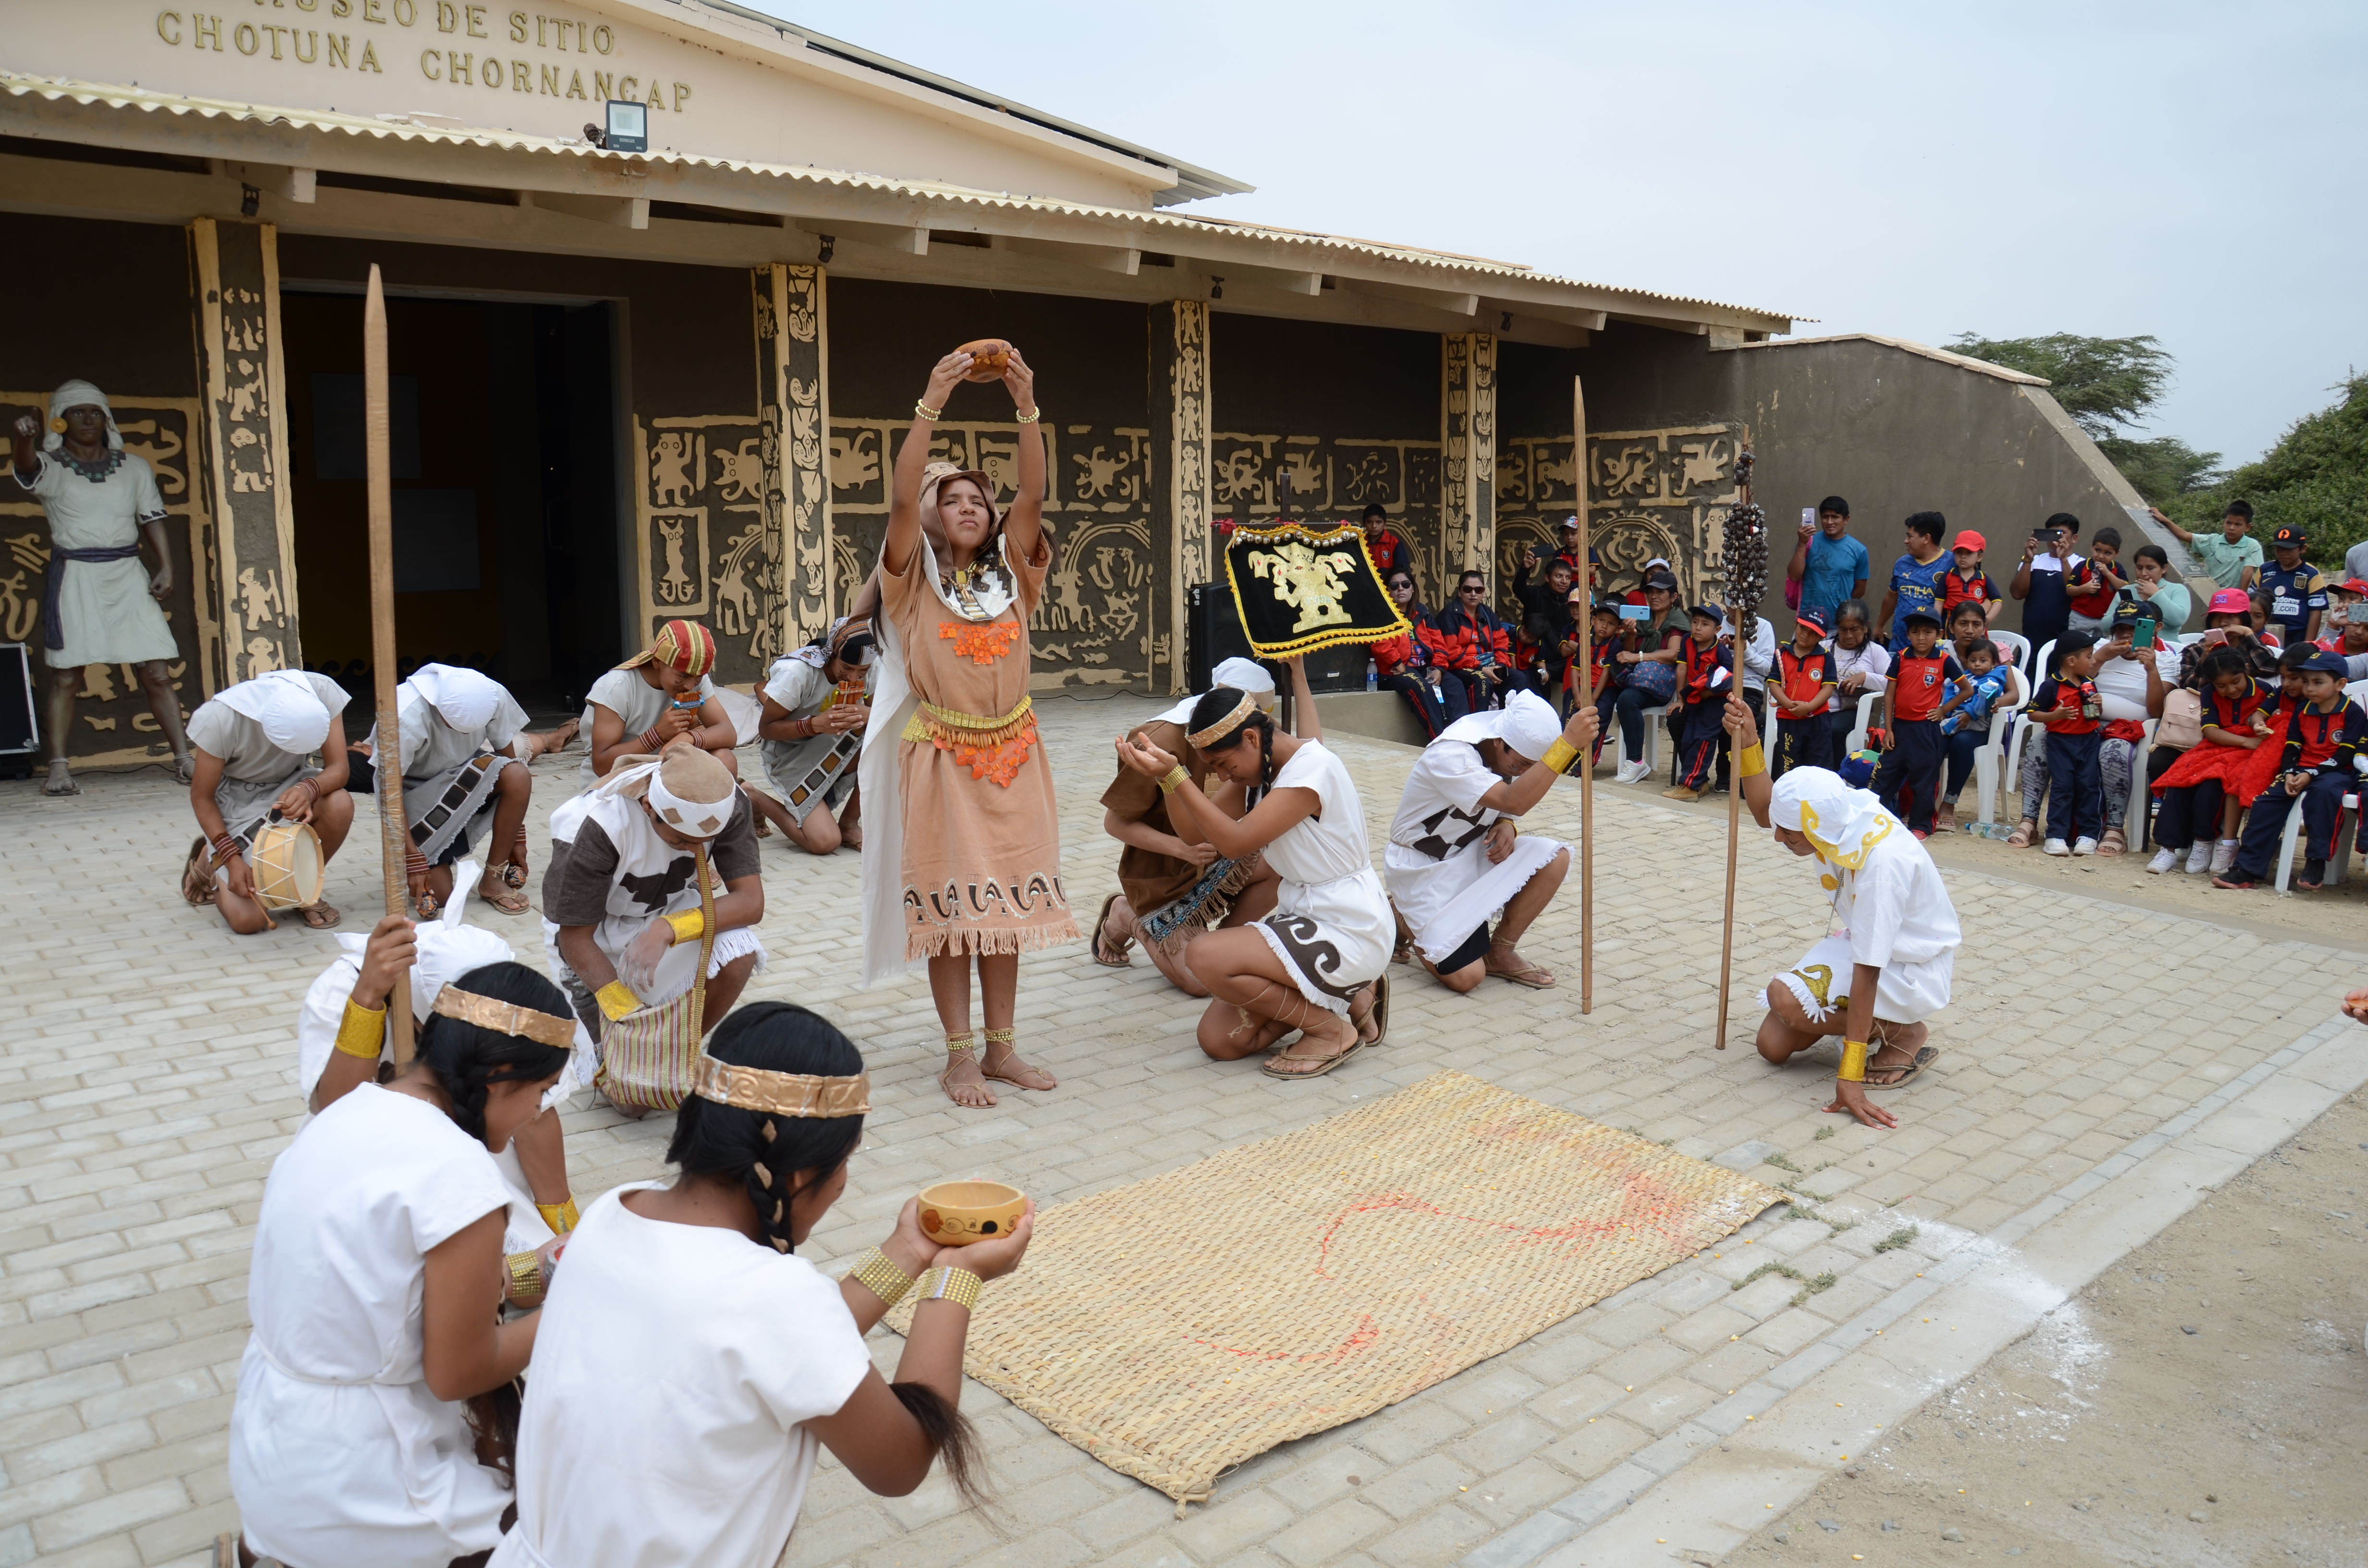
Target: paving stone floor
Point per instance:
(146, 1059)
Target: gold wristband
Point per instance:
(361, 1032)
(525, 1273)
(957, 1285)
(560, 1216)
(1029, 417)
(1750, 762)
(1559, 755)
(1853, 1067)
(1173, 780)
(616, 1000)
(877, 1274)
(924, 411)
(687, 925)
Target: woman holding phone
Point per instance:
(1646, 664)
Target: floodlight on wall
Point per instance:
(1504, 321)
(628, 130)
(1216, 287)
(249, 198)
(825, 250)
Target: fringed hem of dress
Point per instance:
(964, 941)
(1170, 927)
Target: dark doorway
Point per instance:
(504, 464)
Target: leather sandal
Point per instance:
(2024, 831)
(198, 875)
(1120, 944)
(2113, 842)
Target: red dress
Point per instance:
(2242, 773)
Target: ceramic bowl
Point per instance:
(993, 354)
(956, 1213)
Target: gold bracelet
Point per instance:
(560, 1216)
(687, 925)
(957, 1285)
(1029, 417)
(877, 1274)
(1173, 780)
(1559, 755)
(1750, 762)
(1853, 1067)
(616, 1000)
(526, 1274)
(361, 1032)
(925, 411)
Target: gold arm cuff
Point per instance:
(525, 1273)
(957, 1285)
(1853, 1067)
(1751, 762)
(1559, 755)
(616, 1000)
(561, 1216)
(361, 1032)
(687, 925)
(877, 1274)
(1173, 780)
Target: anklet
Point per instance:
(1000, 1036)
(960, 1044)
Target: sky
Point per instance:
(2003, 168)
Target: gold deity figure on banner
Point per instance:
(1310, 582)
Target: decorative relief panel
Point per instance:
(1335, 478)
(1650, 492)
(112, 723)
(1467, 416)
(1184, 544)
(798, 404)
(702, 484)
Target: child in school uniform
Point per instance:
(1602, 652)
(1914, 753)
(2314, 769)
(2093, 606)
(1705, 666)
(1964, 719)
(2204, 788)
(1967, 583)
(1805, 688)
(2068, 704)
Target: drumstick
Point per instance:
(394, 836)
(1735, 767)
(1585, 674)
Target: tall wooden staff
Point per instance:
(1745, 561)
(1585, 674)
(394, 831)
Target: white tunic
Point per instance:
(104, 606)
(1895, 914)
(255, 772)
(632, 698)
(1437, 862)
(673, 1373)
(338, 1451)
(432, 747)
(800, 770)
(1331, 924)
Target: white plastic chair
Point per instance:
(1990, 758)
(2011, 780)
(2135, 817)
(2346, 817)
(1857, 740)
(1655, 726)
(2017, 642)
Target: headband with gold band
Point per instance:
(505, 1018)
(780, 1094)
(1203, 739)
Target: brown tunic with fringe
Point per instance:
(982, 863)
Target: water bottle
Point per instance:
(1372, 675)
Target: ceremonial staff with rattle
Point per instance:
(1745, 558)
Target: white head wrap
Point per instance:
(463, 698)
(1526, 723)
(688, 790)
(1842, 822)
(1242, 675)
(285, 704)
(79, 394)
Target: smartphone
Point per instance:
(2216, 637)
(2142, 635)
(1809, 516)
(1636, 612)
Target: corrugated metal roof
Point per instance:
(1300, 249)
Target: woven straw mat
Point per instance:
(1178, 1326)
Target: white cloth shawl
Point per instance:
(1242, 675)
(284, 703)
(80, 394)
(461, 698)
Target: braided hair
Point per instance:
(1214, 705)
(466, 1059)
(767, 1153)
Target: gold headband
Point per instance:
(505, 1018)
(780, 1094)
(1203, 738)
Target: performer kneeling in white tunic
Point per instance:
(1174, 890)
(1454, 862)
(99, 604)
(691, 1366)
(1319, 963)
(1878, 979)
(255, 745)
(343, 1040)
(465, 776)
(816, 703)
(621, 920)
(377, 1275)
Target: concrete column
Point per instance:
(1182, 546)
(247, 570)
(796, 355)
(1467, 439)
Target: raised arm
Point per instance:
(1023, 525)
(905, 497)
(1305, 721)
(25, 451)
(1743, 731)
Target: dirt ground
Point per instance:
(2204, 1403)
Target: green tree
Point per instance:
(2316, 479)
(2108, 386)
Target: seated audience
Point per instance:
(1409, 665)
(2315, 771)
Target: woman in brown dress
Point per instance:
(964, 864)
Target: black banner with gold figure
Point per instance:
(1299, 588)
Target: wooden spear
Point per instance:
(1734, 617)
(1585, 672)
(395, 834)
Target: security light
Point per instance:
(629, 127)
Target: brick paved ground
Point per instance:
(146, 1058)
